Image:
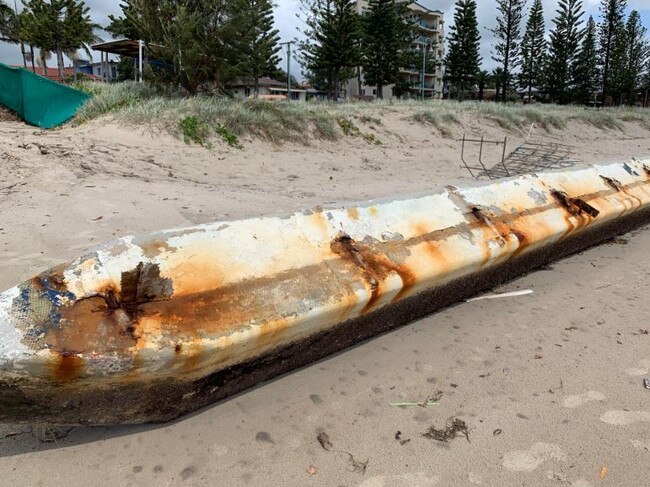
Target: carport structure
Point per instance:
(121, 47)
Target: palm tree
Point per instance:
(6, 13)
(9, 28)
(69, 26)
(43, 57)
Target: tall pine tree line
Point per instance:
(463, 59)
(331, 48)
(387, 37)
(611, 31)
(637, 56)
(566, 38)
(507, 49)
(533, 50)
(586, 72)
(260, 45)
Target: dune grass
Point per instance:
(200, 118)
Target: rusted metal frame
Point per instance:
(532, 157)
(503, 156)
(483, 170)
(480, 160)
(462, 157)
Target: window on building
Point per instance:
(247, 92)
(99, 71)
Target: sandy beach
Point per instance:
(549, 384)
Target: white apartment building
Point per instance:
(430, 38)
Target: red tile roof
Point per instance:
(53, 72)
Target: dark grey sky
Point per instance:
(287, 22)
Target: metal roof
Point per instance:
(122, 47)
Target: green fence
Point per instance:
(38, 100)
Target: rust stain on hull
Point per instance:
(68, 367)
(375, 267)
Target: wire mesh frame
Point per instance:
(528, 158)
(482, 169)
(535, 157)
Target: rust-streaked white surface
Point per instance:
(243, 288)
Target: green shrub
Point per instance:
(194, 131)
(231, 139)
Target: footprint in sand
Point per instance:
(406, 480)
(529, 460)
(621, 418)
(642, 369)
(577, 400)
(641, 444)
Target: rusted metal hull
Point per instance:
(145, 329)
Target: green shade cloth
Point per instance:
(36, 99)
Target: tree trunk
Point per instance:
(359, 80)
(257, 88)
(31, 50)
(606, 66)
(336, 85)
(22, 51)
(217, 79)
(44, 61)
(380, 91)
(60, 63)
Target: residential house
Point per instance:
(107, 71)
(429, 42)
(267, 88)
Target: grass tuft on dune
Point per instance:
(228, 119)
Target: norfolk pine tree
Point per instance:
(618, 64)
(387, 39)
(533, 50)
(564, 48)
(638, 53)
(259, 51)
(506, 52)
(463, 59)
(586, 73)
(331, 48)
(610, 30)
(125, 25)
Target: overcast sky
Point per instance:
(287, 22)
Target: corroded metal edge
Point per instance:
(63, 395)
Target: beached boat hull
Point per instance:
(145, 329)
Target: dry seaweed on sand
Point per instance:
(454, 427)
(359, 467)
